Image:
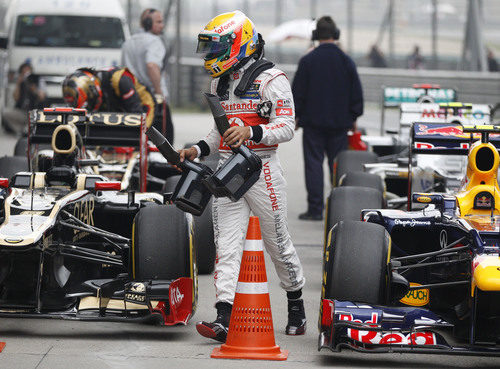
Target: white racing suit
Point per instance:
(267, 197)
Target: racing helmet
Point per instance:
(82, 89)
(226, 40)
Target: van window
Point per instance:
(68, 31)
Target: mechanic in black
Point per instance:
(113, 89)
(328, 100)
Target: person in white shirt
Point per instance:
(144, 54)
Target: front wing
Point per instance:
(168, 302)
(377, 329)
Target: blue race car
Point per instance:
(423, 281)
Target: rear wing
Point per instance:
(102, 128)
(444, 113)
(393, 97)
(109, 129)
(449, 138)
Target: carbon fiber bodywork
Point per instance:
(66, 253)
(67, 233)
(376, 329)
(441, 284)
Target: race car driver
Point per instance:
(258, 101)
(113, 89)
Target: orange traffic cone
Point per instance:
(251, 332)
(2, 346)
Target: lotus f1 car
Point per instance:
(75, 246)
(424, 281)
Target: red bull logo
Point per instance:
(451, 130)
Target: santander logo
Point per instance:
(225, 27)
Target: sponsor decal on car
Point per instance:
(423, 199)
(443, 239)
(484, 200)
(386, 337)
(397, 95)
(176, 296)
(423, 145)
(442, 113)
(111, 119)
(411, 222)
(83, 211)
(451, 130)
(136, 292)
(418, 297)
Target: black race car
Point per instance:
(122, 155)
(74, 245)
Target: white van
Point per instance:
(59, 36)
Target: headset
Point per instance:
(146, 21)
(327, 29)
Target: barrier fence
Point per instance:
(472, 87)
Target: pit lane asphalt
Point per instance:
(59, 344)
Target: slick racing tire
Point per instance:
(362, 179)
(355, 263)
(161, 247)
(346, 203)
(10, 165)
(21, 148)
(351, 161)
(203, 233)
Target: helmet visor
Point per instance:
(214, 45)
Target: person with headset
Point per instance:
(144, 54)
(328, 100)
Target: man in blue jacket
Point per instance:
(328, 100)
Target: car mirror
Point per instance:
(427, 198)
(108, 186)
